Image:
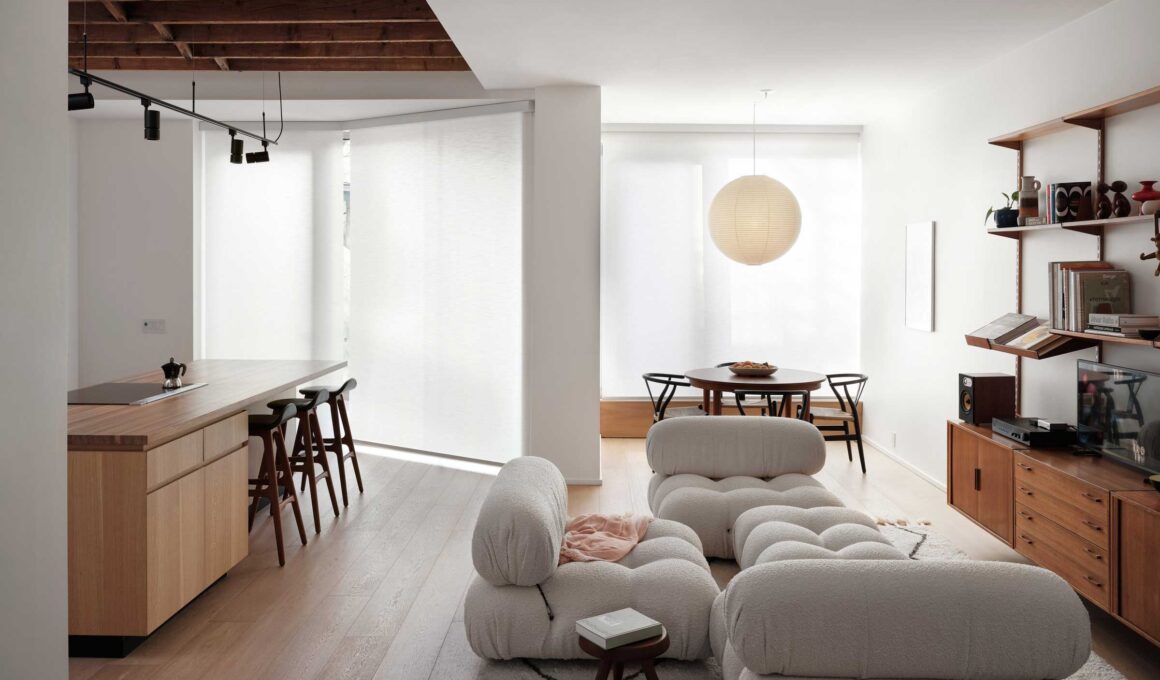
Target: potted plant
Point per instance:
(1008, 216)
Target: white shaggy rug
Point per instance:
(916, 540)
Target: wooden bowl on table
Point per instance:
(752, 369)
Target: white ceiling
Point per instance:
(704, 61)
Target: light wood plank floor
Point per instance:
(379, 593)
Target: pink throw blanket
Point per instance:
(602, 538)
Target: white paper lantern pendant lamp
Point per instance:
(754, 219)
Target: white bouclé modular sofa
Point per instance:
(822, 592)
(523, 605)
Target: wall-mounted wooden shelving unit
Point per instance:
(1063, 344)
(1093, 119)
(1093, 227)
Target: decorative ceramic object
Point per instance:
(1103, 203)
(1148, 197)
(1121, 206)
(1073, 202)
(1146, 192)
(1029, 197)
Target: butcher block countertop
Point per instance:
(231, 386)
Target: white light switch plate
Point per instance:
(156, 326)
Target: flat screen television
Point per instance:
(1118, 413)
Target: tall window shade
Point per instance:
(670, 301)
(436, 303)
(272, 250)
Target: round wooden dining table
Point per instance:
(786, 381)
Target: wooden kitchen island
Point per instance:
(157, 497)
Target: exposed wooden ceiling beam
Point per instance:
(167, 35)
(264, 33)
(114, 10)
(256, 11)
(288, 51)
(204, 63)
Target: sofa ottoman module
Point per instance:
(708, 471)
(773, 533)
(523, 604)
(840, 618)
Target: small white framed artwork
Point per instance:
(920, 276)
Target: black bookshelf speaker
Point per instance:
(985, 396)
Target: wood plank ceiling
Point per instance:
(261, 35)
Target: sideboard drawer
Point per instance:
(1093, 528)
(1088, 499)
(169, 461)
(1049, 545)
(1084, 553)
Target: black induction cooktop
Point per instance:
(134, 394)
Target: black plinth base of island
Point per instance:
(103, 646)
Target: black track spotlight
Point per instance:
(152, 123)
(262, 156)
(235, 148)
(79, 101)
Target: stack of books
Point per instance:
(1079, 289)
(618, 628)
(1121, 325)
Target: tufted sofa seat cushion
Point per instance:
(711, 506)
(506, 621)
(773, 533)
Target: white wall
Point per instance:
(562, 284)
(931, 162)
(34, 338)
(137, 204)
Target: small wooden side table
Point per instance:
(642, 652)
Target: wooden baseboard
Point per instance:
(631, 418)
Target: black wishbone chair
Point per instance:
(847, 389)
(667, 384)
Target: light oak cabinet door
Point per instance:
(175, 545)
(227, 535)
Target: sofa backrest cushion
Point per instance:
(520, 528)
(728, 446)
(906, 619)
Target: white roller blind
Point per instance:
(670, 301)
(272, 250)
(436, 302)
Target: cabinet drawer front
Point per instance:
(1093, 528)
(1092, 583)
(168, 462)
(1084, 554)
(226, 435)
(1087, 498)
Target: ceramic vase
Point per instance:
(1029, 197)
(1148, 197)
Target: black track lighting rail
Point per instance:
(147, 100)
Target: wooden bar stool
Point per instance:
(274, 472)
(309, 450)
(342, 443)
